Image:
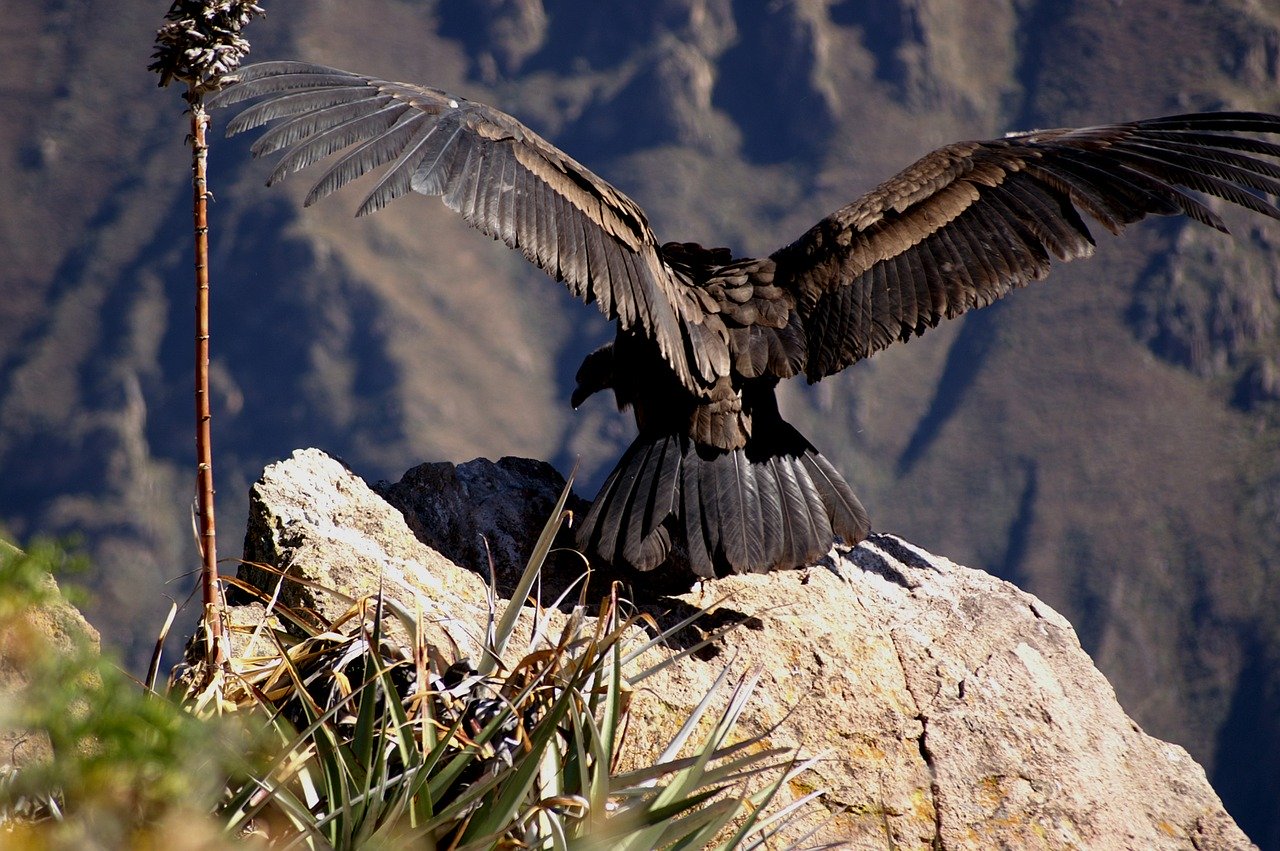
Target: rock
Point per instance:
(957, 711)
(26, 639)
(962, 712)
(318, 523)
(480, 510)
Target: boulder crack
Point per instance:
(934, 790)
(922, 742)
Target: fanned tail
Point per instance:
(775, 504)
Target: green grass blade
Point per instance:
(506, 624)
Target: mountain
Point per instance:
(1108, 439)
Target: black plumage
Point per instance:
(716, 480)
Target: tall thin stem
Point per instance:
(215, 644)
(201, 44)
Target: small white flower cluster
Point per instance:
(202, 41)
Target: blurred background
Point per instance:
(1108, 440)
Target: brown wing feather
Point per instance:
(970, 222)
(503, 178)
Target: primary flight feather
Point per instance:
(716, 481)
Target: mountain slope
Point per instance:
(1108, 439)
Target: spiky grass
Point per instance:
(359, 733)
(393, 743)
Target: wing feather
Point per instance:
(598, 264)
(1054, 221)
(531, 223)
(454, 167)
(504, 180)
(934, 279)
(980, 238)
(573, 261)
(970, 222)
(914, 273)
(398, 179)
(1207, 155)
(503, 196)
(306, 127)
(1214, 141)
(879, 313)
(367, 156)
(1208, 176)
(289, 105)
(961, 276)
(335, 138)
(269, 78)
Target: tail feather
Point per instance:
(772, 519)
(712, 526)
(696, 520)
(772, 505)
(648, 540)
(849, 519)
(615, 496)
(810, 526)
(789, 500)
(741, 538)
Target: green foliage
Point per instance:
(25, 577)
(124, 761)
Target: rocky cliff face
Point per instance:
(956, 711)
(1108, 440)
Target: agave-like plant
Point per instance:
(394, 744)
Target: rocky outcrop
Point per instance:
(316, 528)
(956, 710)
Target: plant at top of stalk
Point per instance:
(199, 46)
(202, 43)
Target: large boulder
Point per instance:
(956, 711)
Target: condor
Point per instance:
(716, 481)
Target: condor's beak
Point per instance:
(595, 374)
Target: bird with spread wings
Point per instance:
(717, 481)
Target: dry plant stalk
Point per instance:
(216, 650)
(200, 45)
